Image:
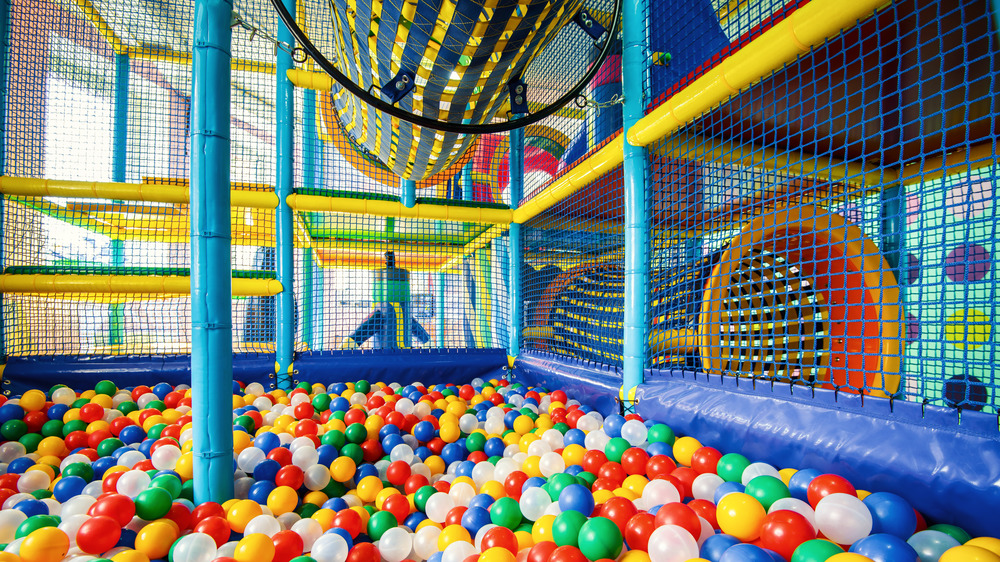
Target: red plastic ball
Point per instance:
(659, 466)
(414, 483)
(442, 486)
(513, 484)
(281, 456)
(541, 551)
(287, 545)
(398, 505)
(110, 484)
(706, 510)
(634, 461)
(826, 484)
(612, 471)
(500, 537)
(638, 529)
(593, 460)
(116, 506)
(354, 415)
(303, 411)
(397, 473)
(364, 552)
(180, 514)
(567, 553)
(349, 520)
(91, 412)
(784, 530)
(94, 438)
(371, 450)
(291, 476)
(705, 460)
(454, 515)
(216, 527)
(207, 509)
(98, 534)
(676, 513)
(619, 510)
(77, 439)
(306, 427)
(35, 420)
(685, 476)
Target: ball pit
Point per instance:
(490, 471)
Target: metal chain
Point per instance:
(583, 101)
(298, 54)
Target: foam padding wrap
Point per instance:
(590, 383)
(948, 470)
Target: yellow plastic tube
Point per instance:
(395, 209)
(138, 284)
(807, 27)
(159, 193)
(477, 243)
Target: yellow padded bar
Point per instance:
(34, 187)
(137, 284)
(395, 209)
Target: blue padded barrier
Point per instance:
(949, 471)
(593, 384)
(426, 366)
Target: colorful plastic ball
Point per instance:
(116, 506)
(716, 545)
(576, 497)
(241, 513)
(930, 545)
(214, 526)
(154, 540)
(827, 484)
(98, 534)
(767, 490)
(499, 537)
(731, 466)
(991, 544)
(884, 548)
(671, 543)
(891, 514)
(196, 547)
(47, 544)
(746, 553)
(600, 538)
(152, 503)
(783, 531)
(968, 553)
(959, 533)
(740, 515)
(452, 534)
(379, 523)
(253, 548)
(506, 512)
(566, 527)
(843, 518)
(679, 514)
(497, 554)
(816, 550)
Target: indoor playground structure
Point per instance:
(499, 280)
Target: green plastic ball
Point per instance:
(506, 512)
(362, 386)
(106, 388)
(379, 523)
(321, 402)
(34, 523)
(731, 467)
(157, 405)
(600, 538)
(31, 441)
(153, 503)
(356, 433)
(422, 495)
(475, 442)
(303, 558)
(333, 437)
(81, 469)
(155, 431)
(816, 550)
(108, 446)
(307, 510)
(52, 428)
(41, 494)
(334, 489)
(615, 448)
(247, 423)
(73, 425)
(661, 433)
(168, 482)
(958, 533)
(80, 402)
(353, 451)
(127, 407)
(187, 491)
(767, 490)
(566, 527)
(12, 430)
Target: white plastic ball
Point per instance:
(310, 530)
(196, 547)
(33, 480)
(304, 457)
(329, 548)
(395, 544)
(634, 431)
(263, 524)
(10, 519)
(438, 506)
(165, 457)
(796, 505)
(551, 463)
(534, 502)
(132, 482)
(672, 543)
(458, 551)
(704, 485)
(758, 469)
(425, 542)
(843, 518)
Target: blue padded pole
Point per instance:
(119, 156)
(409, 193)
(307, 296)
(211, 269)
(634, 60)
(439, 303)
(516, 168)
(467, 193)
(284, 223)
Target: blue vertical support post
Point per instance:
(284, 223)
(211, 268)
(467, 192)
(119, 155)
(516, 167)
(310, 171)
(634, 61)
(408, 196)
(893, 237)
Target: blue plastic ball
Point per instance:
(127, 538)
(131, 434)
(715, 545)
(32, 507)
(574, 436)
(335, 504)
(260, 490)
(266, 469)
(347, 536)
(745, 553)
(19, 465)
(162, 389)
(891, 514)
(387, 430)
(68, 487)
(613, 425)
(798, 484)
(482, 501)
(882, 547)
(423, 431)
(423, 452)
(474, 518)
(533, 482)
(660, 448)
(577, 498)
(10, 412)
(726, 488)
(267, 442)
(414, 519)
(494, 447)
(327, 454)
(365, 470)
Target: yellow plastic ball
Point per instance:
(684, 449)
(43, 468)
(450, 433)
(154, 540)
(786, 474)
(452, 534)
(542, 529)
(627, 494)
(73, 414)
(532, 466)
(601, 496)
(368, 488)
(33, 400)
(52, 446)
(9, 557)
(493, 489)
(130, 556)
(635, 483)
(573, 454)
(237, 402)
(641, 556)
(383, 495)
(325, 518)
(255, 547)
(373, 424)
(967, 553)
(511, 439)
(98, 425)
(241, 440)
(497, 554)
(435, 464)
(316, 498)
(48, 544)
(457, 408)
(862, 494)
(523, 425)
(464, 479)
(241, 513)
(524, 540)
(740, 515)
(989, 543)
(281, 500)
(103, 400)
(849, 557)
(185, 465)
(342, 469)
(526, 440)
(427, 523)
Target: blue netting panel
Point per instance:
(839, 228)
